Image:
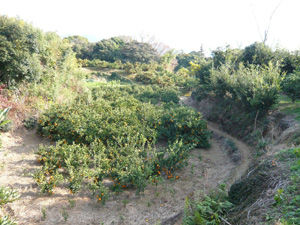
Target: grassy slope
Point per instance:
(270, 193)
(285, 105)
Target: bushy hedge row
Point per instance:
(150, 93)
(165, 78)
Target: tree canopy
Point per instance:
(26, 52)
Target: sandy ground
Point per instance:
(206, 170)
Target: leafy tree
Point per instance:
(184, 59)
(291, 85)
(256, 88)
(168, 60)
(226, 55)
(138, 52)
(107, 49)
(19, 48)
(81, 46)
(257, 54)
(26, 53)
(289, 60)
(201, 70)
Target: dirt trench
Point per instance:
(157, 205)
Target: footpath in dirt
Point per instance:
(162, 204)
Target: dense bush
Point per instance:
(184, 59)
(112, 137)
(210, 209)
(166, 78)
(26, 53)
(256, 88)
(150, 93)
(19, 51)
(81, 46)
(291, 85)
(7, 195)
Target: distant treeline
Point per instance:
(27, 53)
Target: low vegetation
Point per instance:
(208, 209)
(285, 208)
(105, 134)
(112, 136)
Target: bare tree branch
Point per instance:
(266, 32)
(268, 29)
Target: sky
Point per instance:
(181, 24)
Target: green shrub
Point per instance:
(8, 195)
(5, 220)
(291, 85)
(30, 122)
(210, 209)
(286, 201)
(7, 127)
(112, 136)
(4, 123)
(255, 87)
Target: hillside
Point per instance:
(117, 132)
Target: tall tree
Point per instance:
(81, 46)
(258, 53)
(107, 49)
(138, 52)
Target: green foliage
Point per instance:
(226, 56)
(201, 70)
(278, 197)
(156, 94)
(186, 124)
(114, 49)
(57, 86)
(290, 60)
(255, 87)
(112, 136)
(165, 78)
(150, 93)
(135, 51)
(30, 122)
(19, 48)
(210, 209)
(3, 121)
(5, 220)
(286, 207)
(257, 54)
(81, 46)
(184, 59)
(231, 145)
(8, 195)
(3, 115)
(291, 85)
(107, 49)
(168, 60)
(27, 53)
(100, 64)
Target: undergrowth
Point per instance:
(286, 201)
(285, 105)
(7, 195)
(209, 209)
(111, 134)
